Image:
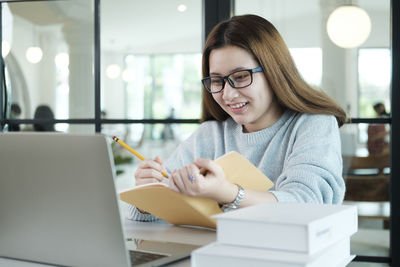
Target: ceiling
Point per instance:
(130, 24)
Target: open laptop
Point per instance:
(58, 204)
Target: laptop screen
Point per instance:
(58, 203)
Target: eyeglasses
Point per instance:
(237, 79)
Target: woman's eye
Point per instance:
(240, 76)
(215, 81)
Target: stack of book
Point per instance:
(282, 234)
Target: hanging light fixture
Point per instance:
(34, 54)
(5, 48)
(181, 8)
(348, 26)
(113, 71)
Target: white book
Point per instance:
(299, 227)
(217, 254)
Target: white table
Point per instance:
(364, 242)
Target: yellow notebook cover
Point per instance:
(175, 208)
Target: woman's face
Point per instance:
(255, 106)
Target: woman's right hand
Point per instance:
(149, 171)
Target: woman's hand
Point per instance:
(149, 171)
(213, 184)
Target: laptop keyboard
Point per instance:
(139, 257)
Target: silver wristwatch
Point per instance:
(236, 203)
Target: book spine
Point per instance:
(262, 235)
(326, 231)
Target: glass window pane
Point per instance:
(374, 75)
(303, 26)
(367, 186)
(309, 64)
(151, 70)
(50, 61)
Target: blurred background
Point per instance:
(150, 72)
(151, 61)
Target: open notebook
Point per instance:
(176, 208)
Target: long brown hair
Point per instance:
(261, 39)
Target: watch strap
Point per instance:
(236, 203)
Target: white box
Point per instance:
(298, 227)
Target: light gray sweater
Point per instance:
(300, 153)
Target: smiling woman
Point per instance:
(256, 103)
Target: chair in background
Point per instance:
(366, 181)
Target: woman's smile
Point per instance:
(238, 107)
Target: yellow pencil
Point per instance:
(134, 152)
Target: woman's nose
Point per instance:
(229, 92)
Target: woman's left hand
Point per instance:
(213, 184)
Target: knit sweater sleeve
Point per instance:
(312, 170)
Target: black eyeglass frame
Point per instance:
(223, 78)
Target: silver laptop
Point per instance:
(58, 204)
